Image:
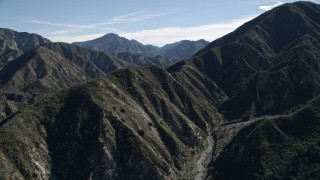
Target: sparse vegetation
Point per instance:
(248, 102)
(141, 132)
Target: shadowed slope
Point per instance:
(280, 147)
(122, 126)
(267, 63)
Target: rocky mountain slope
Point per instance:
(245, 107)
(284, 143)
(55, 66)
(112, 43)
(184, 49)
(274, 147)
(272, 80)
(122, 126)
(141, 60)
(49, 68)
(269, 64)
(13, 44)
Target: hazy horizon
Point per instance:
(155, 23)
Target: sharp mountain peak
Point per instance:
(275, 28)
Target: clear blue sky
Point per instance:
(148, 21)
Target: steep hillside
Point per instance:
(57, 66)
(269, 64)
(183, 49)
(13, 44)
(49, 68)
(21, 41)
(245, 107)
(88, 59)
(141, 60)
(122, 126)
(41, 70)
(280, 147)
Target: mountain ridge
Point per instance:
(246, 107)
(156, 110)
(14, 44)
(113, 43)
(54, 66)
(233, 63)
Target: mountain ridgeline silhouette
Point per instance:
(244, 107)
(113, 43)
(267, 65)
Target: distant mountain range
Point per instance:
(247, 106)
(184, 49)
(112, 43)
(31, 65)
(54, 66)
